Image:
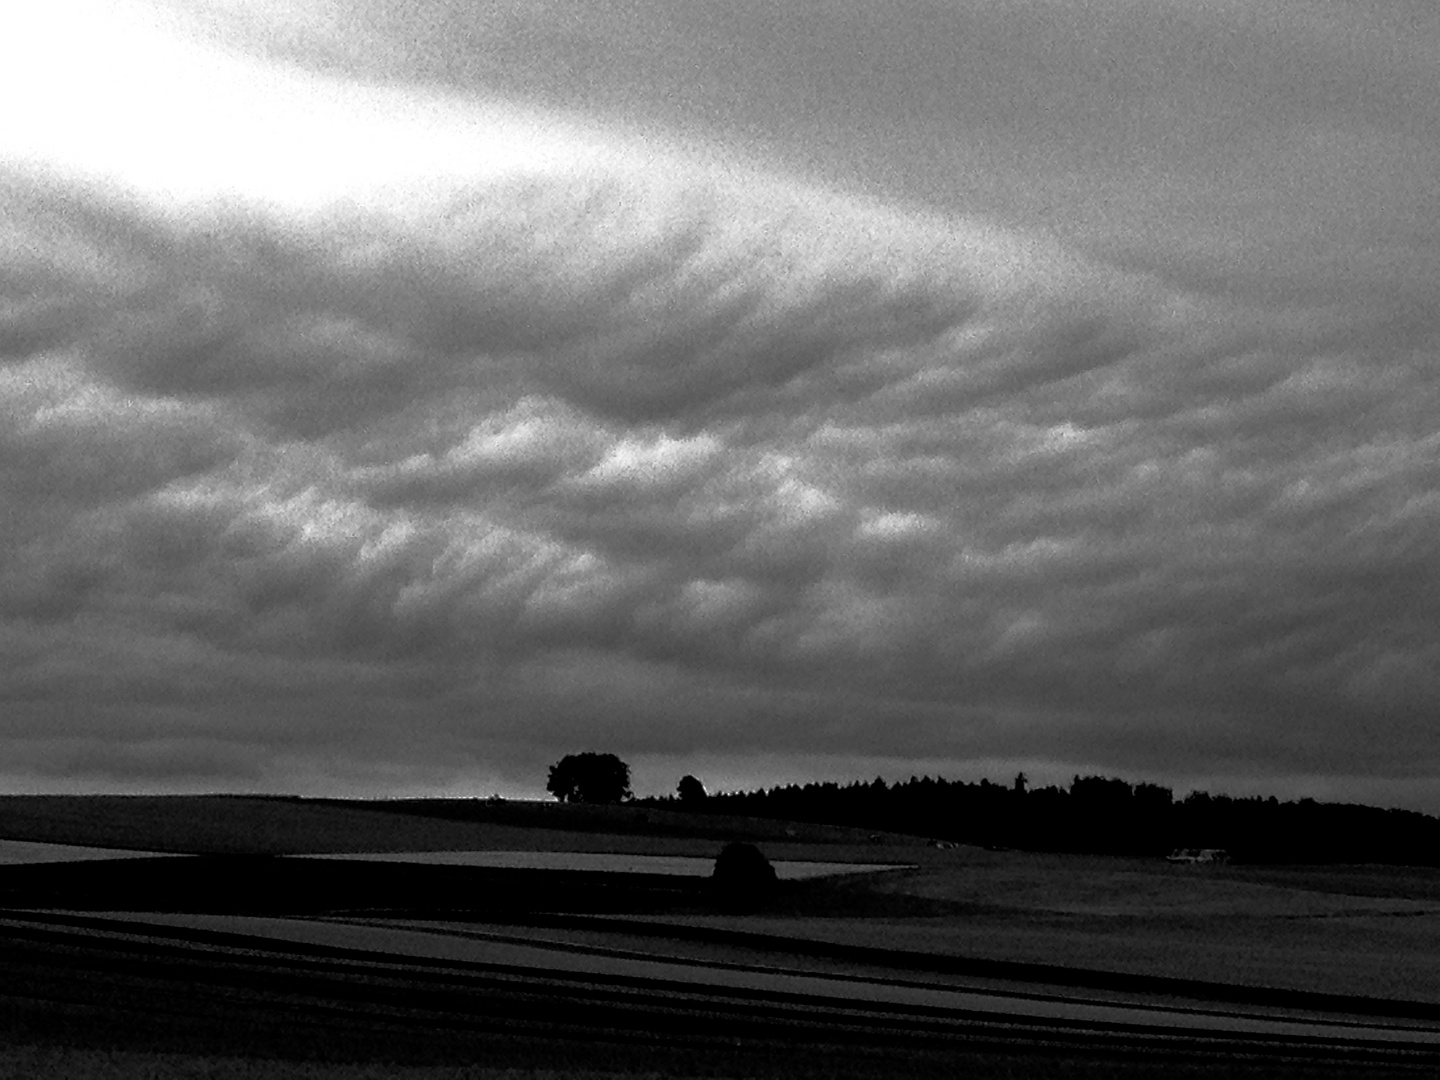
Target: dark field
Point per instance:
(90, 991)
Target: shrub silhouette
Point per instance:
(743, 879)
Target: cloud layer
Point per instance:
(622, 448)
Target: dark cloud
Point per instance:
(628, 449)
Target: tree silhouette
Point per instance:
(743, 879)
(690, 790)
(589, 778)
(1104, 815)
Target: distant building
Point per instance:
(1198, 855)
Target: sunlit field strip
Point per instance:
(28, 852)
(671, 865)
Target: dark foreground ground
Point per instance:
(86, 994)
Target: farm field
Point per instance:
(606, 862)
(260, 825)
(30, 853)
(856, 986)
(1346, 929)
(1015, 963)
(391, 989)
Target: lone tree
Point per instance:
(589, 778)
(690, 790)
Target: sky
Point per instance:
(397, 395)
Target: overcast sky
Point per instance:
(396, 395)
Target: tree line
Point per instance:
(1095, 815)
(1100, 815)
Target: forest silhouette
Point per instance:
(1099, 815)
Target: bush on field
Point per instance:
(743, 879)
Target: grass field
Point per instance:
(239, 825)
(1361, 930)
(1368, 935)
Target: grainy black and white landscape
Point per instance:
(399, 395)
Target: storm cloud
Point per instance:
(420, 479)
